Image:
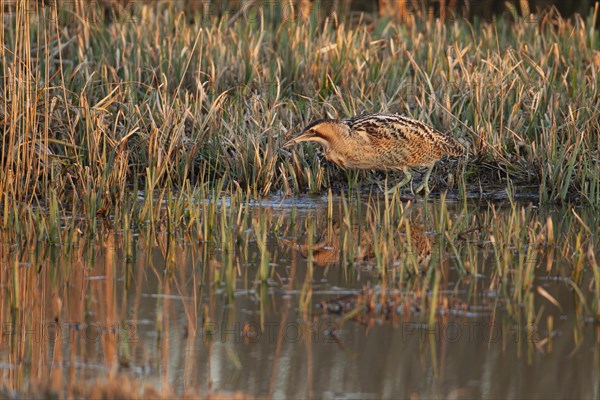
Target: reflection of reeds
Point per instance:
(261, 232)
(513, 264)
(511, 238)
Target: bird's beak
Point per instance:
(303, 137)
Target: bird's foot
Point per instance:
(394, 189)
(400, 185)
(423, 185)
(425, 182)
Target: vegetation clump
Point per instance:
(94, 110)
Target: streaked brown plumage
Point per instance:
(381, 142)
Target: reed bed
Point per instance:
(93, 112)
(147, 149)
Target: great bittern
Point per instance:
(381, 142)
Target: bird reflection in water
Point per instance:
(328, 249)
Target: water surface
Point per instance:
(452, 300)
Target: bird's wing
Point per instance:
(444, 142)
(371, 128)
(383, 131)
(386, 129)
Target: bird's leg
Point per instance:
(425, 182)
(407, 178)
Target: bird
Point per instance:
(381, 142)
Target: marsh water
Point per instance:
(315, 297)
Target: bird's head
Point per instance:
(322, 131)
